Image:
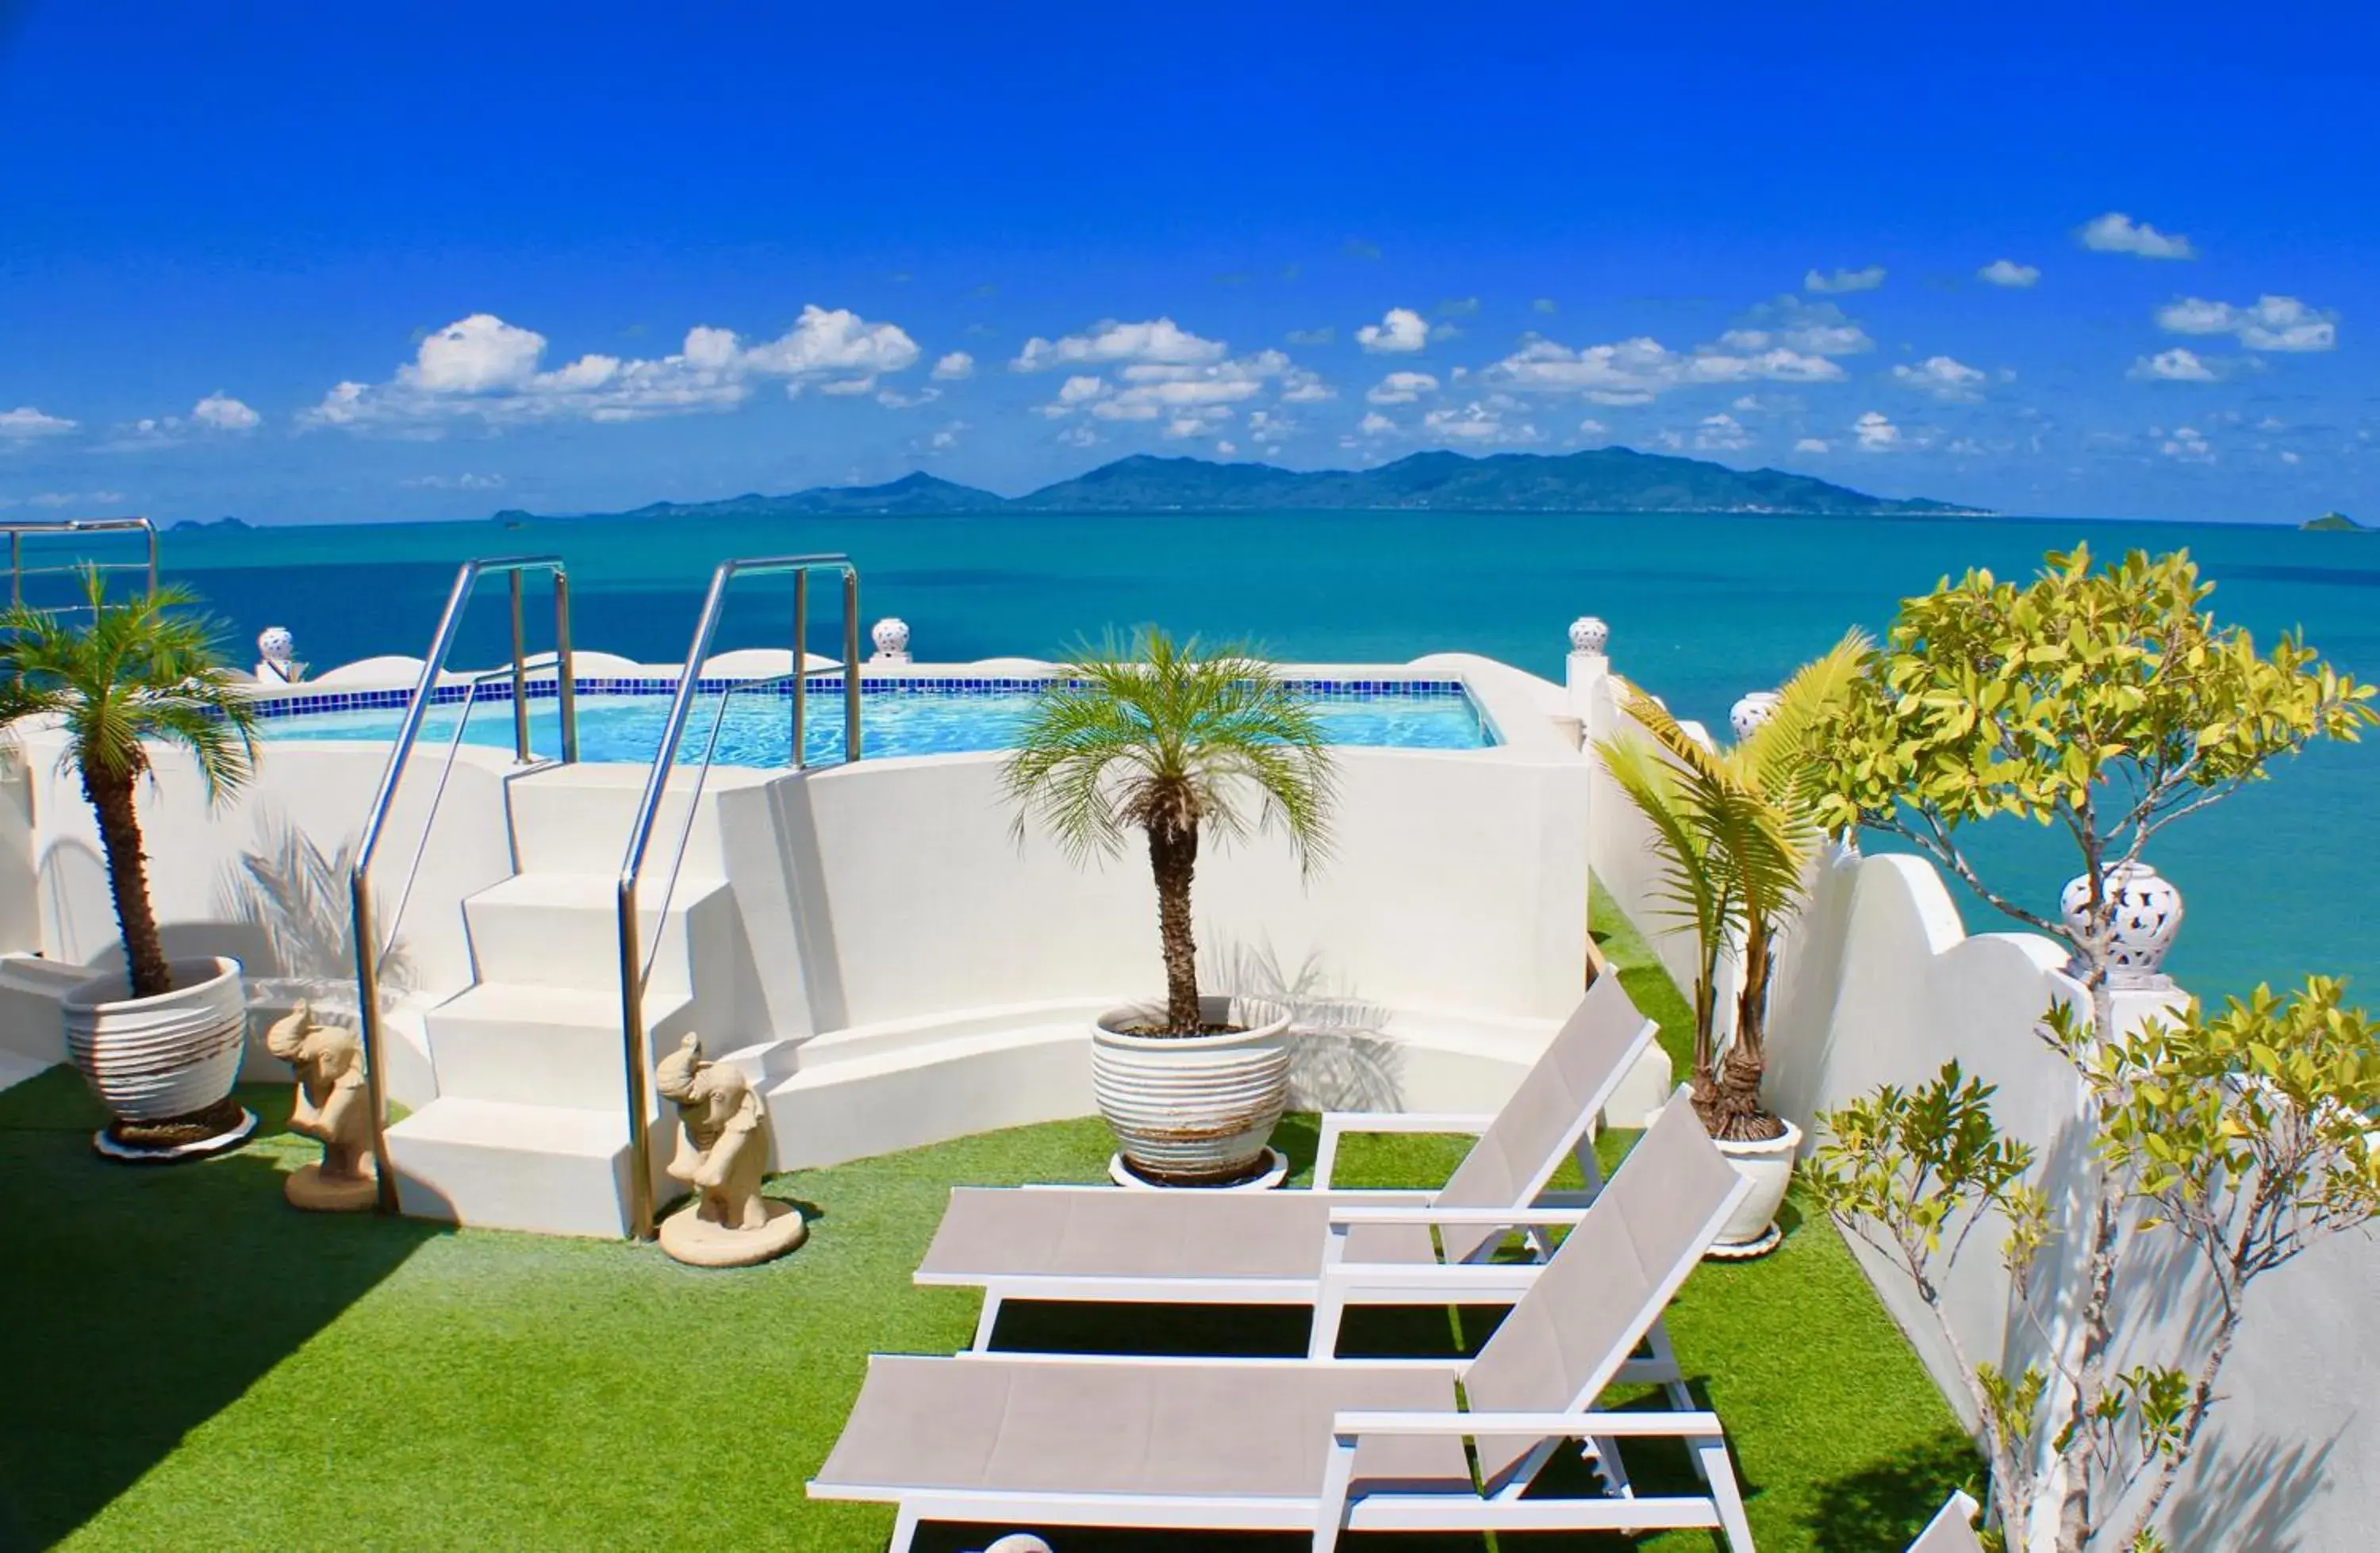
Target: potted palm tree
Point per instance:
(1735, 831)
(160, 1043)
(1178, 742)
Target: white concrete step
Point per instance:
(554, 1170)
(16, 1068)
(544, 1046)
(31, 991)
(892, 1036)
(576, 819)
(557, 930)
(900, 1098)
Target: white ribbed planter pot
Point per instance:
(1752, 1228)
(148, 1059)
(1192, 1110)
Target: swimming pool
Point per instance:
(622, 720)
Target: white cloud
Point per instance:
(454, 482)
(1942, 377)
(1399, 330)
(224, 413)
(1160, 340)
(843, 387)
(2268, 323)
(1810, 328)
(1080, 436)
(65, 499)
(1185, 397)
(957, 364)
(1376, 425)
(25, 423)
(1868, 279)
(481, 367)
(2007, 272)
(893, 399)
(2187, 446)
(1269, 428)
(1593, 427)
(1722, 433)
(1811, 445)
(1480, 422)
(2289, 458)
(1634, 371)
(1226, 449)
(1876, 433)
(2177, 365)
(2117, 233)
(1402, 388)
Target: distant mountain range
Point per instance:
(1614, 479)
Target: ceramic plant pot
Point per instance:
(150, 1058)
(1192, 1110)
(1751, 1230)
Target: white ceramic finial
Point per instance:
(1756, 707)
(2144, 915)
(276, 659)
(1589, 635)
(891, 635)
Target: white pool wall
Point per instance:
(1457, 884)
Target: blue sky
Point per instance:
(303, 263)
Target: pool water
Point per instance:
(756, 728)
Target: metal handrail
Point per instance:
(442, 644)
(17, 529)
(634, 969)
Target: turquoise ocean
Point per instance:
(2279, 880)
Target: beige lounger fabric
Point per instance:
(1101, 1231)
(1000, 1231)
(1024, 1427)
(1589, 1307)
(1575, 1069)
(1218, 1428)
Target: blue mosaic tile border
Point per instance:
(825, 684)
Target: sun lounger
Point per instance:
(1328, 1445)
(1113, 1244)
(1951, 1530)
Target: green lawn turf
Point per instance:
(191, 1363)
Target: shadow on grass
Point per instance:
(1886, 1505)
(140, 1300)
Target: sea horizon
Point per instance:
(1703, 608)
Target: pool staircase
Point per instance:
(528, 1131)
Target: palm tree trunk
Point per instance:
(1174, 857)
(128, 880)
(1736, 1113)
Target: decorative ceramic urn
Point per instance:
(1754, 709)
(2146, 915)
(1589, 635)
(891, 635)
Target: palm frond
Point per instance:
(1146, 724)
(142, 669)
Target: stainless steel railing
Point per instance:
(18, 530)
(635, 968)
(370, 945)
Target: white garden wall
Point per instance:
(1882, 984)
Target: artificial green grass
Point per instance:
(1641, 972)
(190, 1363)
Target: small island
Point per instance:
(201, 525)
(1609, 479)
(2335, 523)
